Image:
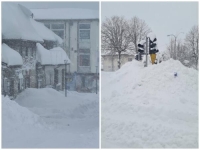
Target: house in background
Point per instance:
(110, 61)
(20, 36)
(79, 30)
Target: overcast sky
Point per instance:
(84, 5)
(162, 17)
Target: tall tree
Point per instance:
(138, 30)
(192, 44)
(115, 36)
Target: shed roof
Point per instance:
(10, 56)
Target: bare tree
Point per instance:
(138, 30)
(115, 36)
(191, 41)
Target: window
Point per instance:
(84, 31)
(47, 25)
(30, 51)
(130, 59)
(60, 33)
(23, 52)
(84, 60)
(58, 28)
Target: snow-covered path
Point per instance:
(64, 122)
(149, 108)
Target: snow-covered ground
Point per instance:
(45, 118)
(149, 107)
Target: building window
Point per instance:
(84, 60)
(23, 52)
(130, 59)
(60, 33)
(47, 25)
(84, 31)
(58, 28)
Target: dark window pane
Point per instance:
(60, 33)
(84, 50)
(84, 60)
(84, 34)
(47, 25)
(57, 26)
(84, 26)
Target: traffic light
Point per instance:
(140, 48)
(152, 46)
(138, 56)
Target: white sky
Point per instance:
(62, 4)
(162, 17)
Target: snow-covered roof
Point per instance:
(18, 24)
(53, 56)
(44, 32)
(10, 56)
(64, 13)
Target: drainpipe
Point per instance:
(69, 43)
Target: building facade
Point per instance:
(80, 34)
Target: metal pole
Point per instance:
(146, 52)
(65, 79)
(175, 49)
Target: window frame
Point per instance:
(84, 29)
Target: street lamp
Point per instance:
(65, 61)
(175, 37)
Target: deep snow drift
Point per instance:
(149, 107)
(44, 118)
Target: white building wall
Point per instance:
(107, 61)
(94, 34)
(72, 38)
(71, 41)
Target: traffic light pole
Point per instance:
(146, 52)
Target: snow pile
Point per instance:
(15, 117)
(10, 56)
(65, 13)
(149, 107)
(53, 56)
(44, 32)
(67, 122)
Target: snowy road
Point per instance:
(70, 122)
(149, 108)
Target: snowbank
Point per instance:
(16, 117)
(149, 107)
(45, 118)
(53, 56)
(65, 13)
(10, 56)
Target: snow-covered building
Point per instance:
(79, 30)
(20, 36)
(110, 61)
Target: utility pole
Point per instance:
(146, 52)
(175, 37)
